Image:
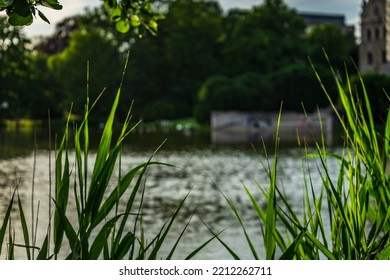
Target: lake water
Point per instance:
(202, 169)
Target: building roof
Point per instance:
(318, 18)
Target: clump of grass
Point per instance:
(102, 227)
(356, 204)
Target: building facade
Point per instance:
(374, 49)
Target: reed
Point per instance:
(355, 204)
(348, 217)
(102, 229)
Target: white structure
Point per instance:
(241, 127)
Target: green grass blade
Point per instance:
(6, 219)
(43, 252)
(292, 250)
(160, 241)
(124, 247)
(262, 217)
(172, 251)
(26, 235)
(101, 238)
(119, 190)
(99, 185)
(11, 243)
(62, 179)
(215, 235)
(270, 213)
(68, 229)
(384, 254)
(320, 246)
(386, 144)
(247, 237)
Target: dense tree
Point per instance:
(297, 86)
(377, 87)
(60, 39)
(166, 71)
(339, 45)
(16, 81)
(69, 68)
(248, 92)
(246, 59)
(269, 37)
(191, 32)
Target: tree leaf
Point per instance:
(54, 4)
(5, 3)
(23, 8)
(43, 17)
(18, 20)
(5, 221)
(21, 14)
(42, 255)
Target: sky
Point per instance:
(350, 8)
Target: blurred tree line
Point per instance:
(201, 60)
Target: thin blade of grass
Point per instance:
(23, 222)
(320, 246)
(160, 241)
(247, 237)
(11, 246)
(62, 174)
(68, 229)
(126, 243)
(292, 250)
(43, 252)
(215, 235)
(101, 238)
(105, 140)
(384, 254)
(270, 225)
(6, 219)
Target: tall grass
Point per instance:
(356, 203)
(109, 220)
(348, 217)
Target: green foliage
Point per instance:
(356, 200)
(133, 14)
(377, 87)
(169, 69)
(22, 12)
(102, 228)
(196, 41)
(335, 41)
(21, 91)
(265, 39)
(84, 46)
(296, 86)
(248, 92)
(125, 13)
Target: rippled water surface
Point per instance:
(204, 171)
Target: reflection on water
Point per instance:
(204, 170)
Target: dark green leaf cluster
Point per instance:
(22, 12)
(134, 14)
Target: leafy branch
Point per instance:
(22, 12)
(126, 14)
